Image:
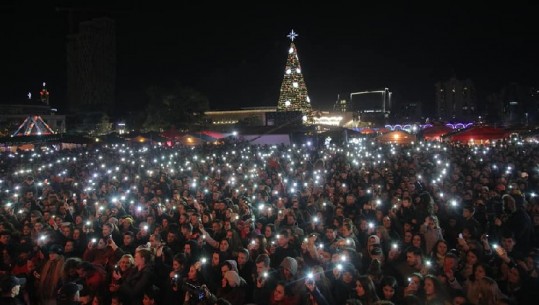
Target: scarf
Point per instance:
(50, 278)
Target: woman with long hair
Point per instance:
(473, 256)
(415, 285)
(321, 283)
(437, 255)
(488, 291)
(479, 271)
(435, 293)
(194, 278)
(172, 284)
(431, 232)
(366, 291)
(258, 245)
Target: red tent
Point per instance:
(367, 130)
(213, 134)
(397, 137)
(172, 134)
(478, 135)
(435, 133)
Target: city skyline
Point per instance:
(237, 57)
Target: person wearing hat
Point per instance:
(69, 294)
(49, 277)
(288, 274)
(233, 288)
(10, 287)
(128, 244)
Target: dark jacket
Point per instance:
(133, 287)
(235, 295)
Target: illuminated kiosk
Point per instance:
(33, 125)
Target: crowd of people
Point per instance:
(364, 223)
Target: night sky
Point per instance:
(235, 55)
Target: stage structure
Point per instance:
(33, 125)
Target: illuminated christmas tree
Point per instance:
(293, 96)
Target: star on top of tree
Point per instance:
(292, 35)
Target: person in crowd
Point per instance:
(265, 280)
(389, 290)
(343, 280)
(134, 285)
(366, 290)
(246, 267)
(283, 249)
(93, 277)
(233, 287)
(317, 212)
(69, 294)
(151, 296)
(10, 288)
(488, 291)
(124, 268)
(314, 295)
(103, 251)
(282, 295)
(434, 291)
(437, 255)
(171, 282)
(49, 278)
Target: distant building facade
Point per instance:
(519, 104)
(91, 66)
(255, 116)
(269, 116)
(408, 112)
(372, 106)
(456, 100)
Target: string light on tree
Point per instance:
(293, 95)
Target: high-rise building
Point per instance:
(91, 67)
(456, 100)
(293, 95)
(519, 104)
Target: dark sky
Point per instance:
(235, 54)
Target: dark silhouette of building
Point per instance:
(91, 67)
(519, 104)
(456, 100)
